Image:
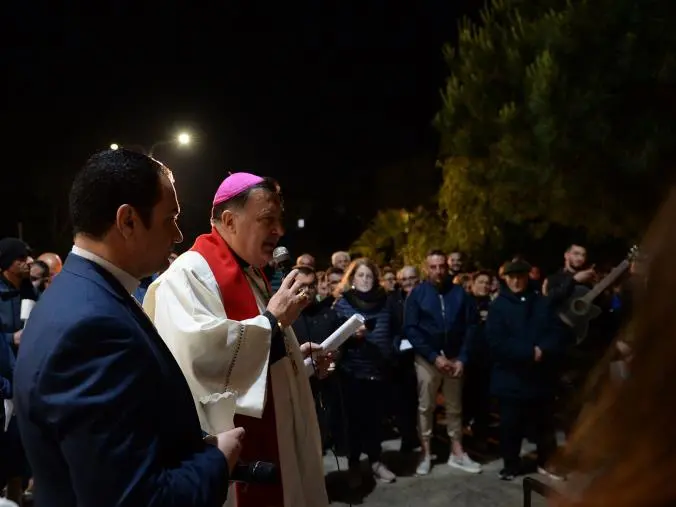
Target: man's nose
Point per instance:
(178, 236)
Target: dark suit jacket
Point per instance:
(105, 413)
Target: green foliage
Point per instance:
(400, 237)
(385, 236)
(558, 113)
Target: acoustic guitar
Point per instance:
(579, 309)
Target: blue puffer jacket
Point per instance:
(439, 320)
(371, 356)
(516, 324)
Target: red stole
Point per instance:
(239, 302)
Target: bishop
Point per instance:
(233, 339)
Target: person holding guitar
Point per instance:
(576, 291)
(559, 286)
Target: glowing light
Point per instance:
(183, 138)
(114, 146)
(301, 223)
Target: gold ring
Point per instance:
(302, 294)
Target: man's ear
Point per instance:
(126, 220)
(228, 219)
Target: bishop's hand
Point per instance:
(289, 300)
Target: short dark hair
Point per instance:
(334, 271)
(108, 180)
(305, 270)
(483, 272)
(574, 244)
(239, 201)
(43, 266)
(436, 252)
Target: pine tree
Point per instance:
(558, 112)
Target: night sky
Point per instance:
(333, 99)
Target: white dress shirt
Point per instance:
(129, 282)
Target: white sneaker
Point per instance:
(465, 463)
(552, 475)
(382, 473)
(424, 466)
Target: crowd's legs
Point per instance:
(521, 418)
(429, 382)
(405, 402)
(365, 402)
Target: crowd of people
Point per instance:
(477, 337)
(473, 336)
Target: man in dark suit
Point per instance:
(105, 412)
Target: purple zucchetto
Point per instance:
(234, 185)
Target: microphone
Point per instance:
(282, 259)
(257, 472)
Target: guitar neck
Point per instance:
(607, 281)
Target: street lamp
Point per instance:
(182, 139)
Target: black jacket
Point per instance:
(516, 324)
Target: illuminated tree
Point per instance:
(401, 237)
(558, 113)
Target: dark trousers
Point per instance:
(328, 402)
(365, 401)
(521, 418)
(404, 401)
(476, 398)
(13, 462)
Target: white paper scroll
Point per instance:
(9, 412)
(27, 306)
(337, 338)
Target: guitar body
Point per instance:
(580, 307)
(577, 312)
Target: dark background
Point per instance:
(334, 99)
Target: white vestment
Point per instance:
(186, 307)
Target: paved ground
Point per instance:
(443, 487)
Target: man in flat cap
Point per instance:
(527, 345)
(234, 342)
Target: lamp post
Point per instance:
(182, 139)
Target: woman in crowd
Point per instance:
(364, 367)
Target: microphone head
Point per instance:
(281, 256)
(257, 472)
(265, 473)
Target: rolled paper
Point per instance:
(219, 409)
(336, 339)
(27, 306)
(9, 412)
